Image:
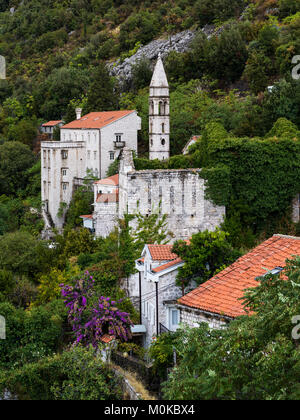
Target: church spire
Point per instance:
(159, 114)
(159, 78)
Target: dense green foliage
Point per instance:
(205, 255)
(254, 358)
(73, 375)
(248, 151)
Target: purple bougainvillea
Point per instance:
(90, 323)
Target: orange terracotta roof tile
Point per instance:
(108, 198)
(162, 252)
(97, 119)
(167, 265)
(106, 338)
(220, 294)
(51, 123)
(112, 180)
(88, 216)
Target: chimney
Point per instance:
(78, 113)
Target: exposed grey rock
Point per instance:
(179, 42)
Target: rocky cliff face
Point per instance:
(179, 42)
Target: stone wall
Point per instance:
(193, 317)
(177, 193)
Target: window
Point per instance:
(89, 154)
(112, 155)
(64, 172)
(163, 127)
(64, 186)
(95, 155)
(163, 142)
(151, 108)
(118, 137)
(173, 319)
(151, 314)
(64, 154)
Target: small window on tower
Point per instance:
(163, 128)
(151, 142)
(163, 142)
(112, 155)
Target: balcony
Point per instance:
(119, 144)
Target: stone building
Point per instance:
(88, 145)
(179, 194)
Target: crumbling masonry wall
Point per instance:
(177, 193)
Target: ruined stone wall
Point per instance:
(177, 193)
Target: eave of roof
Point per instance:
(221, 294)
(97, 120)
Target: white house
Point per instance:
(154, 291)
(48, 127)
(87, 145)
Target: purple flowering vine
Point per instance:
(90, 323)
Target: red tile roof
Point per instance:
(88, 216)
(108, 198)
(51, 123)
(97, 119)
(167, 265)
(112, 180)
(107, 338)
(162, 252)
(220, 294)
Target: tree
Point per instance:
(75, 374)
(81, 203)
(141, 74)
(150, 230)
(101, 95)
(257, 71)
(15, 160)
(205, 255)
(19, 253)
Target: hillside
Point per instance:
(221, 57)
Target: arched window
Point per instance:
(151, 127)
(151, 108)
(163, 127)
(165, 107)
(161, 108)
(163, 142)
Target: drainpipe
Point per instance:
(140, 290)
(157, 323)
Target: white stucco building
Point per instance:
(88, 145)
(49, 127)
(154, 290)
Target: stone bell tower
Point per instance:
(159, 114)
